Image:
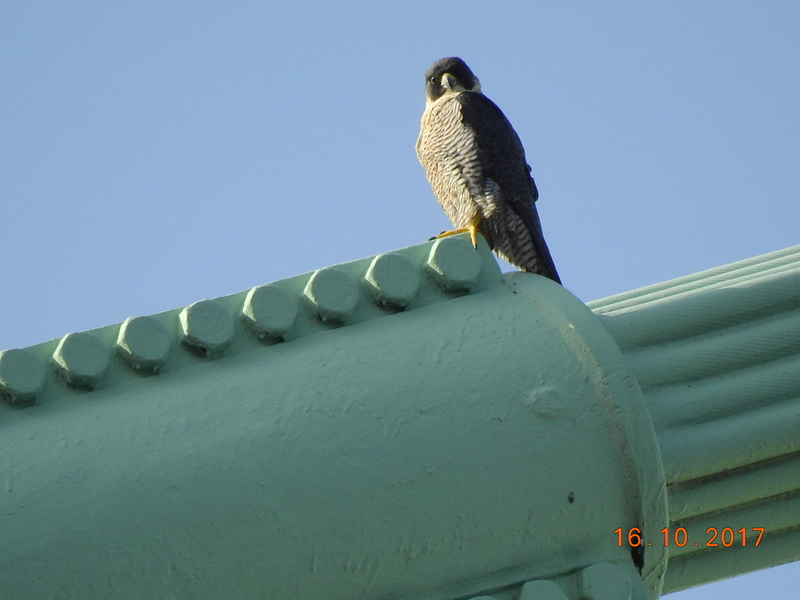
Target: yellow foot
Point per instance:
(472, 229)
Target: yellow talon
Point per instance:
(473, 234)
(451, 232)
(472, 228)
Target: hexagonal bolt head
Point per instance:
(21, 375)
(208, 327)
(392, 280)
(541, 590)
(454, 264)
(81, 359)
(269, 311)
(604, 581)
(332, 295)
(144, 343)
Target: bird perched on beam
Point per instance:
(476, 166)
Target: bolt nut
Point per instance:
(541, 589)
(81, 359)
(454, 264)
(392, 280)
(332, 295)
(207, 326)
(604, 581)
(144, 343)
(21, 375)
(269, 311)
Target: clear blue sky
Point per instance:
(156, 153)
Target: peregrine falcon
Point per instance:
(476, 166)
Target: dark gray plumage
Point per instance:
(476, 166)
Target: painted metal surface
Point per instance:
(717, 355)
(487, 437)
(411, 425)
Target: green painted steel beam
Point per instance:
(717, 355)
(412, 425)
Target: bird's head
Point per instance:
(449, 76)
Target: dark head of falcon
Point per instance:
(449, 75)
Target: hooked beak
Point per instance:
(449, 82)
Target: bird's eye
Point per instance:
(432, 78)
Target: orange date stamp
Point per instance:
(725, 537)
